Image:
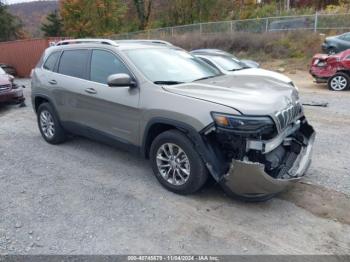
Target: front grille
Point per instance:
(288, 115)
(4, 88)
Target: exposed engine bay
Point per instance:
(262, 161)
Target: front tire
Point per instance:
(49, 125)
(176, 164)
(339, 82)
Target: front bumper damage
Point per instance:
(249, 179)
(253, 178)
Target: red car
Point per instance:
(10, 93)
(332, 69)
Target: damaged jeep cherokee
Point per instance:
(248, 132)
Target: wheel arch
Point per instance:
(345, 71)
(158, 125)
(40, 99)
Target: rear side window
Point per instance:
(74, 63)
(51, 61)
(104, 64)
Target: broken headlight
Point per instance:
(244, 124)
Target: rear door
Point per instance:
(70, 84)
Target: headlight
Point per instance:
(244, 124)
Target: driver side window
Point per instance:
(104, 64)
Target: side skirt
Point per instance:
(100, 136)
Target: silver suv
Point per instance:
(247, 131)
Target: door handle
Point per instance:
(90, 91)
(53, 82)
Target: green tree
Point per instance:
(53, 26)
(194, 11)
(10, 26)
(83, 18)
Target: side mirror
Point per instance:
(119, 80)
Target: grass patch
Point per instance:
(296, 46)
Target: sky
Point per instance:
(16, 1)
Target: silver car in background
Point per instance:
(228, 64)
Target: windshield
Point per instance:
(2, 72)
(170, 66)
(227, 63)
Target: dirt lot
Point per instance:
(83, 197)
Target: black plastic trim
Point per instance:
(100, 136)
(46, 98)
(204, 149)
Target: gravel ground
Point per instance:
(330, 167)
(83, 197)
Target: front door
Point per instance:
(111, 110)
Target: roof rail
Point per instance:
(86, 40)
(150, 41)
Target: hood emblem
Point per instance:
(290, 113)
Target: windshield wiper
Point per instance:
(167, 82)
(203, 78)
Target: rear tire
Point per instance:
(176, 164)
(49, 125)
(339, 82)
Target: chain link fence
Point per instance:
(322, 23)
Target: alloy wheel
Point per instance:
(47, 124)
(339, 83)
(173, 164)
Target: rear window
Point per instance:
(74, 63)
(51, 61)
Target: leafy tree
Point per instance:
(10, 26)
(179, 12)
(83, 18)
(143, 9)
(53, 26)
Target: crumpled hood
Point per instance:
(262, 72)
(251, 95)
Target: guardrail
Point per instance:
(316, 23)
